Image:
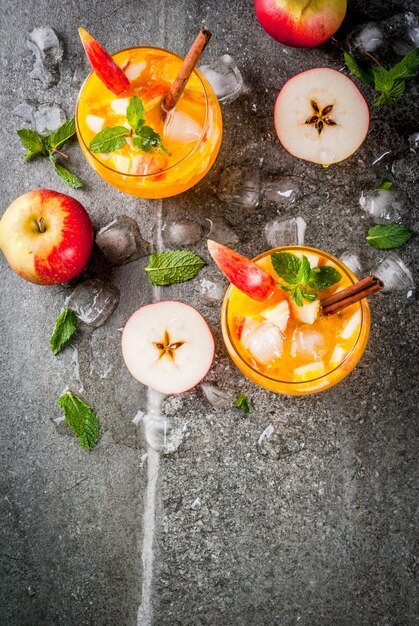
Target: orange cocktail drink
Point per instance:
(293, 349)
(190, 134)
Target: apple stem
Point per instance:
(64, 156)
(41, 224)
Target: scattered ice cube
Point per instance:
(383, 205)
(264, 342)
(119, 106)
(211, 290)
(406, 167)
(79, 76)
(179, 233)
(121, 241)
(239, 187)
(94, 301)
(279, 440)
(308, 343)
(365, 38)
(95, 123)
(403, 31)
(285, 232)
(222, 232)
(224, 77)
(42, 117)
(218, 398)
(161, 435)
(280, 191)
(48, 52)
(351, 326)
(414, 141)
(133, 70)
(196, 504)
(395, 275)
(352, 261)
(181, 128)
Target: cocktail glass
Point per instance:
(349, 350)
(197, 127)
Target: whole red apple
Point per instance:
(300, 23)
(46, 237)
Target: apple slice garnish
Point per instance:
(243, 273)
(105, 68)
(321, 116)
(168, 346)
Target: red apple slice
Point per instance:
(321, 116)
(168, 346)
(105, 68)
(243, 273)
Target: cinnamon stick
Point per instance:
(354, 293)
(191, 59)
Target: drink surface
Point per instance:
(274, 343)
(191, 133)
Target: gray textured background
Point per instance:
(320, 534)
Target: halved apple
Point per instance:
(168, 346)
(321, 116)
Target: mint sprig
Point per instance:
(143, 137)
(49, 145)
(390, 84)
(301, 278)
(387, 185)
(175, 266)
(243, 402)
(387, 236)
(64, 329)
(81, 418)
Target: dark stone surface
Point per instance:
(315, 528)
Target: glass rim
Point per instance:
(196, 144)
(224, 314)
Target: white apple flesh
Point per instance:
(168, 346)
(321, 116)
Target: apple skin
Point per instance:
(299, 23)
(55, 255)
(243, 273)
(105, 68)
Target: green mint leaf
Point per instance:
(358, 70)
(382, 78)
(407, 67)
(64, 329)
(109, 139)
(287, 266)
(386, 236)
(58, 137)
(141, 143)
(81, 418)
(304, 272)
(323, 277)
(387, 185)
(243, 402)
(151, 138)
(66, 176)
(298, 296)
(135, 113)
(286, 288)
(32, 142)
(175, 266)
(391, 94)
(310, 296)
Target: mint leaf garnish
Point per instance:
(299, 276)
(242, 402)
(135, 113)
(64, 329)
(32, 142)
(48, 145)
(323, 277)
(175, 266)
(390, 84)
(109, 139)
(81, 418)
(387, 236)
(387, 185)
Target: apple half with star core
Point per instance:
(168, 346)
(46, 237)
(300, 23)
(321, 116)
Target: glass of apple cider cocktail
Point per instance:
(189, 135)
(284, 343)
